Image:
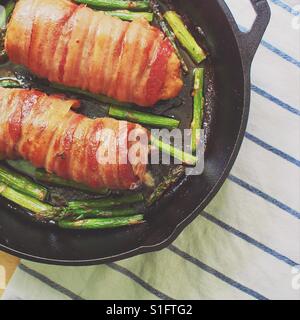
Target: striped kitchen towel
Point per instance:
(246, 244)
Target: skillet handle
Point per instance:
(249, 41)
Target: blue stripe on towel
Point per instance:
(275, 50)
(272, 149)
(245, 237)
(140, 281)
(49, 282)
(216, 273)
(265, 196)
(275, 100)
(286, 7)
(280, 53)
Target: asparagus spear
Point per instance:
(5, 14)
(101, 223)
(185, 158)
(47, 212)
(22, 184)
(42, 210)
(97, 97)
(84, 213)
(168, 33)
(107, 203)
(9, 83)
(184, 36)
(143, 117)
(129, 15)
(164, 186)
(23, 167)
(198, 107)
(122, 112)
(140, 5)
(42, 176)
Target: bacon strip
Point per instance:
(80, 47)
(44, 130)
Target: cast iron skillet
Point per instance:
(231, 55)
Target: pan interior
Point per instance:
(224, 91)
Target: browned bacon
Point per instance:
(45, 131)
(76, 46)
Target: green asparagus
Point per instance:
(22, 184)
(168, 33)
(130, 16)
(184, 36)
(42, 176)
(9, 83)
(123, 112)
(40, 209)
(101, 223)
(138, 5)
(107, 203)
(6, 13)
(198, 107)
(164, 186)
(184, 157)
(44, 211)
(84, 213)
(143, 117)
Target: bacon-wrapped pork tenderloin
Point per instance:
(45, 131)
(76, 46)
